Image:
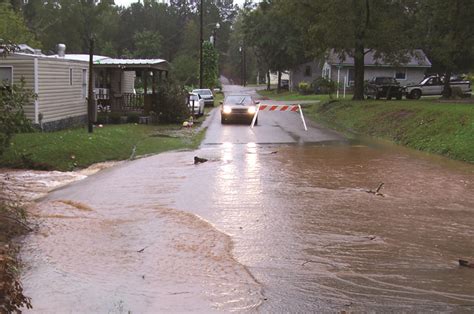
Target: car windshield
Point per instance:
(203, 91)
(238, 100)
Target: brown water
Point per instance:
(259, 228)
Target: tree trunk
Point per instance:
(279, 82)
(268, 80)
(358, 71)
(447, 92)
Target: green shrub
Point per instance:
(115, 117)
(12, 116)
(102, 118)
(323, 85)
(133, 117)
(170, 104)
(304, 88)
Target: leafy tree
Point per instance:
(185, 69)
(274, 36)
(446, 29)
(354, 28)
(147, 44)
(210, 65)
(190, 42)
(13, 27)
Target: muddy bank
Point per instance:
(18, 190)
(428, 125)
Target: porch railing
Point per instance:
(124, 103)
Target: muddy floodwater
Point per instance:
(258, 228)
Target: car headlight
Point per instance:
(251, 110)
(227, 109)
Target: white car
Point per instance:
(205, 94)
(197, 103)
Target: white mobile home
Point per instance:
(61, 83)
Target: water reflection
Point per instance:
(260, 227)
(306, 227)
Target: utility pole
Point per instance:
(90, 94)
(244, 66)
(201, 70)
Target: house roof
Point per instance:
(80, 57)
(102, 61)
(107, 62)
(159, 64)
(417, 59)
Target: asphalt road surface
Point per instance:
(272, 127)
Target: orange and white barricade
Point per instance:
(279, 108)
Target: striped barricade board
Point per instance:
(279, 108)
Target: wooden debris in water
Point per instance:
(466, 263)
(377, 191)
(198, 160)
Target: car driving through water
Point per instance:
(238, 107)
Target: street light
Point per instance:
(213, 38)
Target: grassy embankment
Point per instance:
(445, 128)
(427, 125)
(75, 148)
(290, 96)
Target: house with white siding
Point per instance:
(340, 69)
(60, 83)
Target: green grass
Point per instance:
(75, 148)
(428, 125)
(295, 96)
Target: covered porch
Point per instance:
(128, 85)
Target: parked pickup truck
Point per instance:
(434, 85)
(383, 87)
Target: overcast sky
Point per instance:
(127, 2)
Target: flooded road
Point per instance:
(275, 221)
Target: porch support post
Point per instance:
(153, 86)
(145, 81)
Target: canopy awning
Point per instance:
(133, 64)
(124, 64)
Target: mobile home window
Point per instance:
(307, 70)
(84, 83)
(70, 76)
(401, 74)
(6, 75)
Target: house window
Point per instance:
(401, 74)
(84, 83)
(307, 70)
(350, 77)
(6, 75)
(70, 76)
